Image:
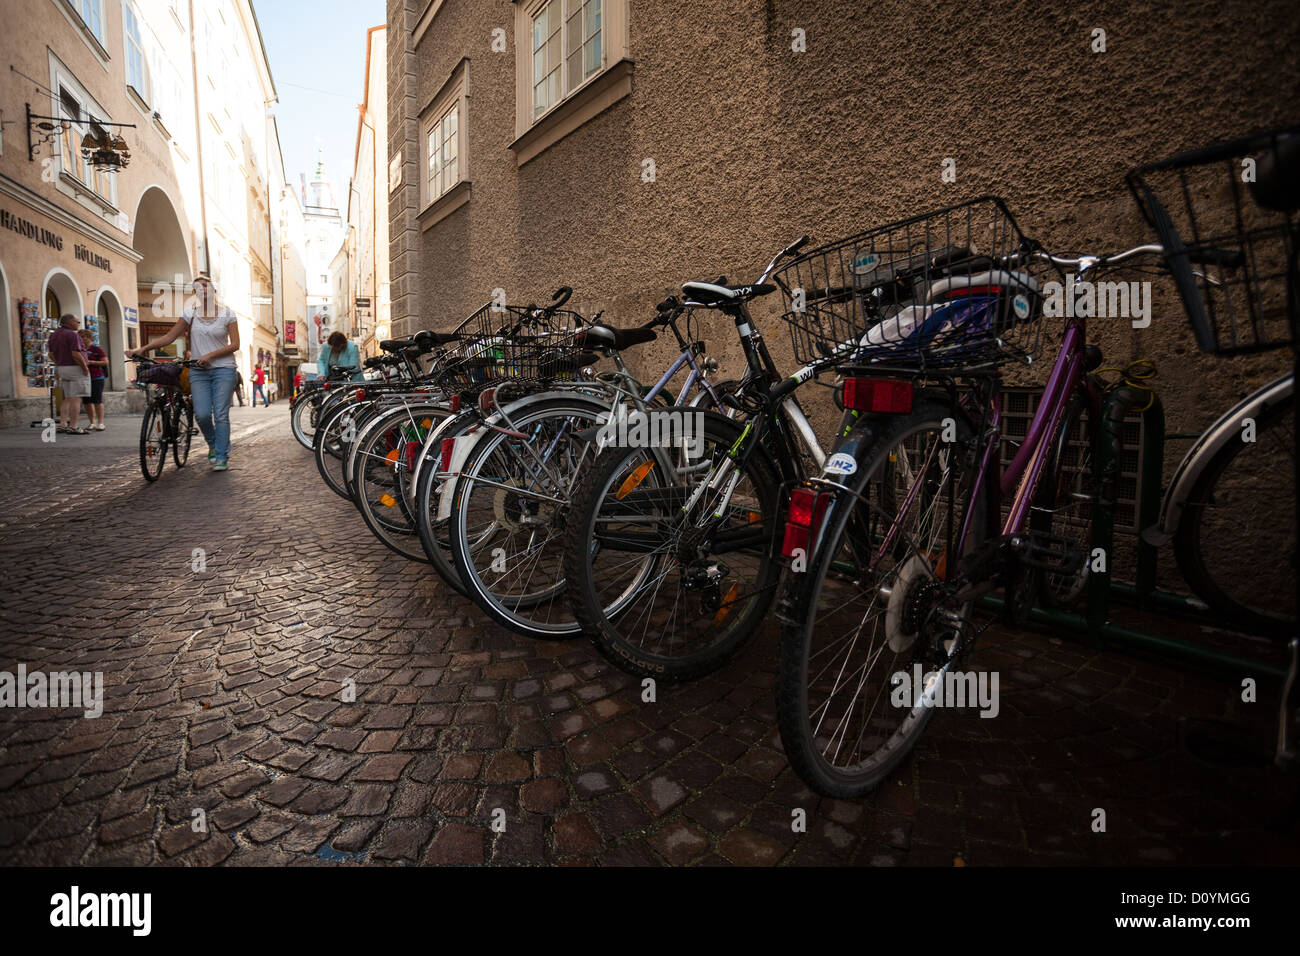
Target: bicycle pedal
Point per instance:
(1049, 552)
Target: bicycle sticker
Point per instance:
(1020, 305)
(866, 263)
(841, 464)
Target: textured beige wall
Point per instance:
(754, 144)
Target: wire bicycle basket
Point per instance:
(946, 291)
(1226, 216)
(512, 343)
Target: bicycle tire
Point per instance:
(612, 614)
(1269, 517)
(522, 516)
(854, 522)
(182, 437)
(435, 535)
(153, 441)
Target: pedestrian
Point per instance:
(97, 359)
(69, 359)
(213, 332)
(259, 386)
(338, 351)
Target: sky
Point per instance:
(317, 50)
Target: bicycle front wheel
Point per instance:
(153, 441)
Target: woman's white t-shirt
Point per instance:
(209, 334)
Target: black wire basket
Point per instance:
(1226, 216)
(947, 291)
(511, 343)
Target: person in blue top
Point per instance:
(337, 350)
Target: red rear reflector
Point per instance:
(412, 452)
(485, 399)
(877, 395)
(361, 395)
(803, 505)
(448, 444)
(455, 403)
(803, 518)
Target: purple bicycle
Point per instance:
(915, 516)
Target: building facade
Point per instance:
(368, 202)
(324, 232)
(621, 148)
(187, 87)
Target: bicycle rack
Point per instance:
(1094, 625)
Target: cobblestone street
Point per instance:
(223, 693)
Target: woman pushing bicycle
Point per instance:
(213, 333)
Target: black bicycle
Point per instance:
(168, 414)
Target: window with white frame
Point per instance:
(443, 139)
(92, 15)
(81, 122)
(137, 69)
(566, 49)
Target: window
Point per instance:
(566, 49)
(442, 152)
(572, 61)
(82, 123)
(444, 142)
(137, 74)
(92, 15)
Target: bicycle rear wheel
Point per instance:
(664, 591)
(182, 431)
(153, 441)
(1236, 543)
(872, 607)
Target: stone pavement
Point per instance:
(223, 694)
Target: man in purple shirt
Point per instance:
(69, 358)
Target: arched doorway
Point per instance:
(163, 273)
(61, 296)
(108, 309)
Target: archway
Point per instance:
(60, 295)
(163, 273)
(108, 308)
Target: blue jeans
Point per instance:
(257, 390)
(211, 389)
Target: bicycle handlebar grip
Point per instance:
(796, 245)
(561, 296)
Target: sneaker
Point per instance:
(212, 456)
(219, 465)
(98, 428)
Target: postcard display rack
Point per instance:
(37, 364)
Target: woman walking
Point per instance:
(337, 350)
(213, 333)
(97, 359)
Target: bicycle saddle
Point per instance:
(1277, 177)
(718, 293)
(393, 345)
(607, 337)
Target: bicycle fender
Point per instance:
(1226, 429)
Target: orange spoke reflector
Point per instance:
(387, 500)
(634, 479)
(426, 424)
(755, 517)
(726, 604)
(392, 456)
